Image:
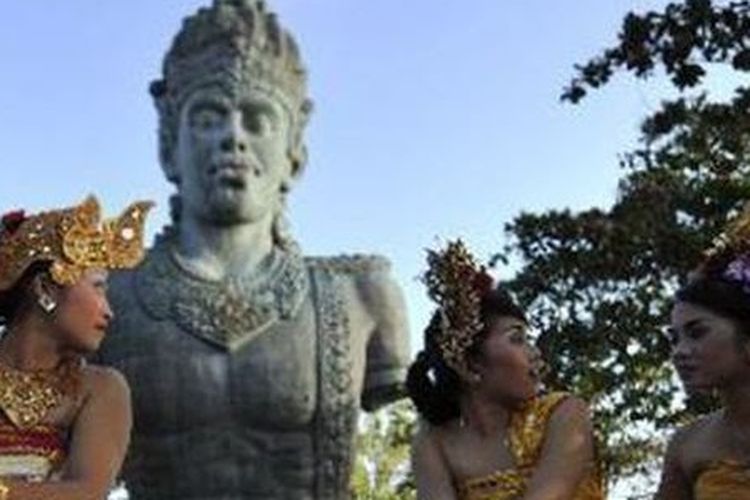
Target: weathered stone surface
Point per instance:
(248, 361)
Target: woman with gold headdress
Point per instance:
(488, 434)
(64, 425)
(710, 330)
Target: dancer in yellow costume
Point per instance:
(487, 433)
(64, 425)
(710, 329)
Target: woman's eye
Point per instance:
(519, 337)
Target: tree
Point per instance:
(382, 468)
(598, 283)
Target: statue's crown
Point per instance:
(235, 42)
(72, 240)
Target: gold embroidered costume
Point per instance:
(71, 240)
(525, 438)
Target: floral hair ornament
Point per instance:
(72, 240)
(729, 254)
(457, 283)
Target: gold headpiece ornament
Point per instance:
(72, 240)
(735, 238)
(456, 283)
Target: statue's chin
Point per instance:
(224, 205)
(229, 214)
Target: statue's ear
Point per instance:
(297, 151)
(298, 161)
(168, 164)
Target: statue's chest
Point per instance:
(182, 382)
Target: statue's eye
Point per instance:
(259, 121)
(206, 118)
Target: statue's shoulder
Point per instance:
(355, 265)
(366, 279)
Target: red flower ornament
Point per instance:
(11, 221)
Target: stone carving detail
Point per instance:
(226, 329)
(227, 313)
(337, 410)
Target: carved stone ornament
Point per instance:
(227, 313)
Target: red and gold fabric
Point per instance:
(32, 454)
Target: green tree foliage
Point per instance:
(598, 283)
(382, 468)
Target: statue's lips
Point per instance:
(230, 174)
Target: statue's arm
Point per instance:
(388, 342)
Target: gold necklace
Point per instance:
(27, 397)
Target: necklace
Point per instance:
(27, 397)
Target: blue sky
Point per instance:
(433, 118)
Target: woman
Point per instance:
(64, 425)
(710, 330)
(488, 433)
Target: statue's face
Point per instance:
(232, 155)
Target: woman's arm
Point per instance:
(567, 453)
(99, 441)
(430, 469)
(675, 483)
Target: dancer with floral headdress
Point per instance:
(488, 433)
(710, 329)
(64, 425)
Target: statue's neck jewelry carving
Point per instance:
(227, 313)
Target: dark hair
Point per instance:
(16, 300)
(724, 297)
(433, 386)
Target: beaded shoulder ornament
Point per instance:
(72, 239)
(457, 283)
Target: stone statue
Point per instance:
(248, 361)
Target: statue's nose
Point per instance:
(234, 138)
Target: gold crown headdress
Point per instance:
(456, 282)
(72, 240)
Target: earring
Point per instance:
(47, 304)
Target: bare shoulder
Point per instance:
(100, 380)
(683, 457)
(570, 411)
(694, 443)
